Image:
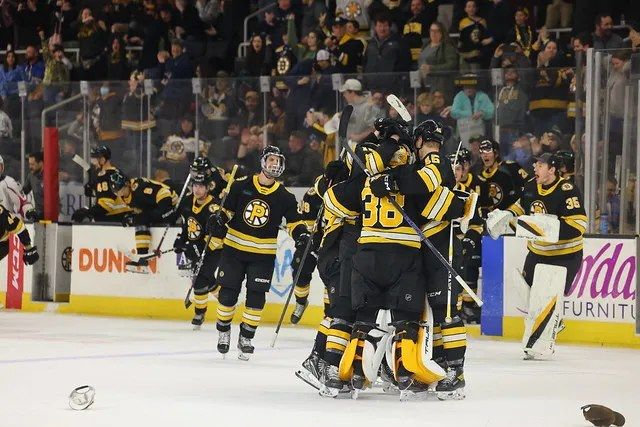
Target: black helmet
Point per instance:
(117, 181)
(464, 156)
(388, 127)
(429, 130)
(273, 171)
(201, 178)
(201, 165)
(487, 145)
(101, 151)
(567, 159)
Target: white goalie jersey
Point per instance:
(13, 198)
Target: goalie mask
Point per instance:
(272, 169)
(428, 131)
(402, 156)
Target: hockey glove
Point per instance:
(30, 255)
(179, 245)
(383, 185)
(302, 240)
(216, 224)
(335, 171)
(31, 215)
(88, 190)
(80, 214)
(309, 262)
(469, 252)
(129, 220)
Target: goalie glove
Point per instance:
(499, 223)
(470, 203)
(539, 226)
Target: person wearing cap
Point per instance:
(361, 121)
(12, 198)
(346, 49)
(563, 208)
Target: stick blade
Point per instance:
(344, 121)
(397, 105)
(81, 162)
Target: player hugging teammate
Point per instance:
(383, 282)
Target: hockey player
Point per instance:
(195, 210)
(13, 198)
(252, 213)
(108, 206)
(202, 165)
(150, 203)
(12, 224)
(550, 214)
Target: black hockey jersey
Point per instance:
(500, 186)
(562, 199)
(194, 221)
(107, 204)
(256, 212)
(151, 199)
(349, 54)
(12, 224)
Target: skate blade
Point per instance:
(197, 327)
(451, 395)
(390, 389)
(413, 396)
(308, 379)
(244, 356)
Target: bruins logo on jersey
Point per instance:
(256, 214)
(193, 228)
(538, 207)
(495, 192)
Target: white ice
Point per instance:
(160, 373)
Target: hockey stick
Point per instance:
(187, 299)
(157, 250)
(399, 107)
(155, 254)
(447, 319)
(415, 228)
(345, 116)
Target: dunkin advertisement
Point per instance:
(604, 290)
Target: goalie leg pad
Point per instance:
(375, 346)
(523, 290)
(545, 309)
(407, 337)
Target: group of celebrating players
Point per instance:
(394, 313)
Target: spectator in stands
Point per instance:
(303, 164)
(310, 43)
(135, 123)
(217, 106)
(511, 110)
(108, 116)
(31, 18)
(378, 104)
(118, 65)
(148, 30)
(618, 78)
(276, 122)
(179, 149)
(417, 27)
(634, 35)
(315, 121)
(177, 71)
(75, 131)
(442, 109)
(385, 52)
(582, 42)
(521, 32)
(6, 128)
(425, 108)
(392, 9)
(313, 10)
(346, 49)
(32, 69)
(521, 151)
(361, 121)
(259, 57)
(33, 182)
(559, 14)
(7, 24)
(224, 151)
(438, 59)
(603, 35)
(549, 96)
(10, 75)
(613, 204)
(57, 70)
(268, 28)
(188, 27)
(500, 20)
(92, 45)
(69, 171)
(471, 103)
(510, 55)
(250, 114)
(473, 38)
(248, 157)
(282, 11)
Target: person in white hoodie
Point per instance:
(13, 199)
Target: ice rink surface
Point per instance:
(160, 373)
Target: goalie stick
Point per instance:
(342, 135)
(187, 299)
(415, 228)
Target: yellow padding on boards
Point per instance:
(345, 370)
(412, 361)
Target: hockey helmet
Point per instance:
(201, 178)
(388, 127)
(567, 159)
(201, 165)
(117, 181)
(429, 130)
(464, 156)
(274, 170)
(101, 151)
(489, 145)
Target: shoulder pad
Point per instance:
(567, 186)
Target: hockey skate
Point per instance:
(386, 379)
(223, 342)
(452, 387)
(298, 311)
(140, 266)
(197, 321)
(411, 389)
(245, 348)
(333, 385)
(470, 314)
(312, 370)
